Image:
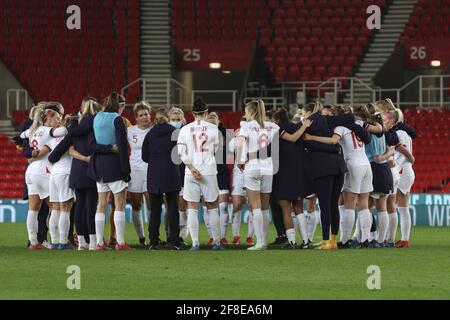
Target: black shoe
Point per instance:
(161, 243)
(343, 245)
(375, 245)
(176, 248)
(353, 244)
(182, 242)
(364, 244)
(153, 248)
(305, 245)
(289, 245)
(142, 243)
(280, 240)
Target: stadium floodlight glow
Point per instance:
(215, 65)
(435, 63)
(226, 71)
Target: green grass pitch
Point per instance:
(420, 272)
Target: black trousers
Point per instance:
(173, 217)
(42, 222)
(328, 189)
(277, 215)
(85, 209)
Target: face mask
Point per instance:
(176, 124)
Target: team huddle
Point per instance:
(349, 159)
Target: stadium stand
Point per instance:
(105, 51)
(429, 20)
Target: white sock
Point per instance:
(137, 222)
(119, 221)
(357, 234)
(341, 218)
(290, 233)
(192, 221)
(251, 226)
(365, 224)
(206, 219)
(223, 208)
(258, 226)
(183, 225)
(92, 241)
(236, 226)
(310, 220)
(301, 219)
(317, 213)
(265, 215)
(53, 226)
(99, 227)
(64, 226)
(294, 220)
(393, 224)
(348, 220)
(214, 222)
(81, 241)
(383, 223)
(315, 220)
(32, 226)
(405, 222)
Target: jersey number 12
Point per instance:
(203, 139)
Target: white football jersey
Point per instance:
(257, 138)
(201, 141)
(136, 137)
(40, 139)
(353, 148)
(64, 164)
(400, 159)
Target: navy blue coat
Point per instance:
(108, 166)
(391, 137)
(409, 130)
(223, 174)
(163, 175)
(325, 161)
(78, 178)
(26, 149)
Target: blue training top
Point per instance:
(104, 129)
(376, 147)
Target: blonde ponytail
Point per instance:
(38, 114)
(89, 107)
(258, 111)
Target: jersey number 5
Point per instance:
(203, 139)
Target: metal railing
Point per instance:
(269, 102)
(420, 81)
(215, 92)
(176, 89)
(18, 105)
(139, 80)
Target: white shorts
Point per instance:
(358, 179)
(59, 188)
(406, 182)
(258, 181)
(395, 180)
(114, 187)
(207, 187)
(138, 183)
(37, 184)
(238, 184)
(395, 186)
